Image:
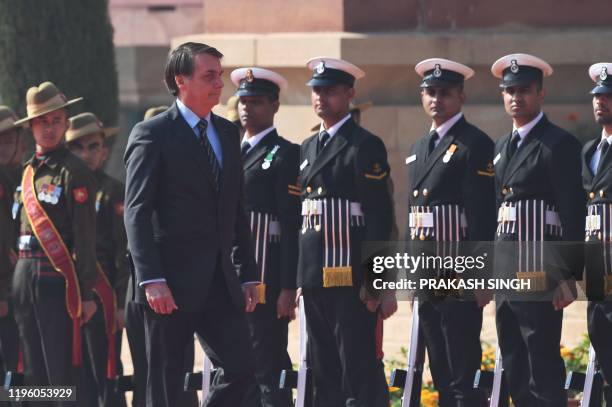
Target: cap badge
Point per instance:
(320, 68)
(604, 73)
(437, 71)
(514, 68)
(249, 75)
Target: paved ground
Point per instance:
(397, 332)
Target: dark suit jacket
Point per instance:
(178, 225)
(547, 167)
(352, 166)
(466, 179)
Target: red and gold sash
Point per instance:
(105, 292)
(57, 253)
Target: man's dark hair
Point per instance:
(181, 62)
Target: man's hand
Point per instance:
(564, 294)
(251, 296)
(120, 319)
(89, 309)
(285, 305)
(160, 298)
(483, 297)
(388, 305)
(3, 308)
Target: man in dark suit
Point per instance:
(135, 330)
(345, 201)
(597, 181)
(451, 199)
(541, 201)
(272, 202)
(183, 214)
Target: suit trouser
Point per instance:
(451, 329)
(95, 358)
(529, 335)
(599, 317)
(342, 349)
(45, 328)
(135, 329)
(269, 336)
(225, 338)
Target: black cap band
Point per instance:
(604, 82)
(441, 77)
(257, 87)
(328, 77)
(516, 75)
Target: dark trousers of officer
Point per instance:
(342, 349)
(9, 346)
(451, 329)
(599, 316)
(225, 338)
(269, 336)
(9, 343)
(100, 390)
(45, 328)
(134, 326)
(529, 333)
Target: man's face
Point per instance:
(523, 101)
(256, 113)
(442, 102)
(91, 149)
(203, 87)
(9, 143)
(49, 129)
(602, 103)
(331, 101)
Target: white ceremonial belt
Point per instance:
(506, 214)
(593, 222)
(552, 218)
(315, 207)
(274, 228)
(421, 220)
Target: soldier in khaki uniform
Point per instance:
(87, 139)
(12, 147)
(52, 293)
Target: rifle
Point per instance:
(301, 379)
(200, 380)
(590, 383)
(411, 379)
(499, 394)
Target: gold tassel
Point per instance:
(608, 285)
(261, 293)
(537, 280)
(337, 277)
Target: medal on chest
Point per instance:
(269, 157)
(49, 193)
(449, 153)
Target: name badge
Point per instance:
(411, 159)
(304, 164)
(496, 159)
